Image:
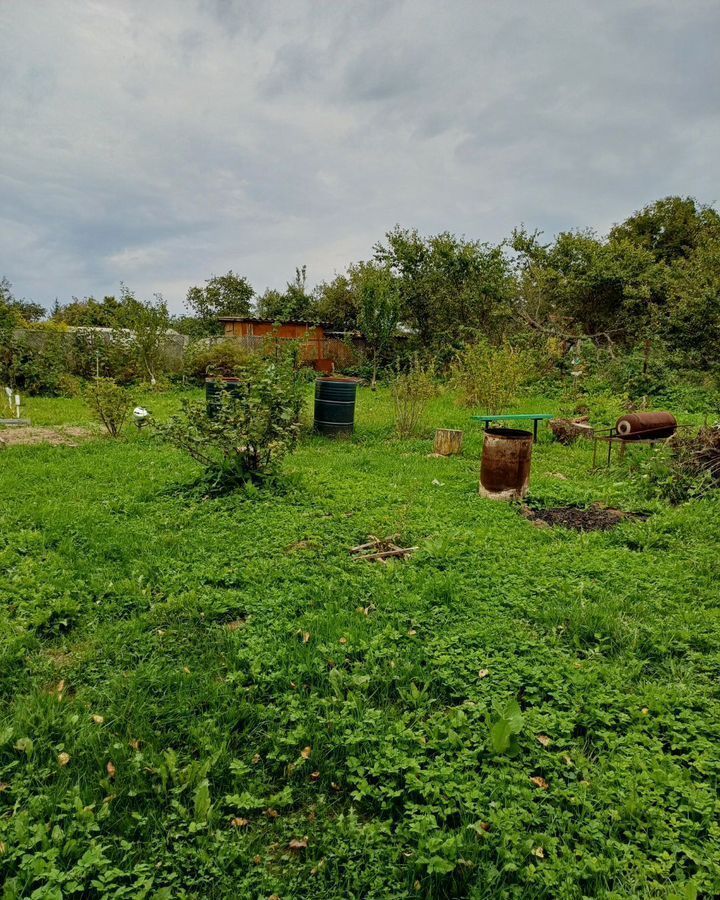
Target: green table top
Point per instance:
(536, 416)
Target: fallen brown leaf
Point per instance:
(111, 770)
(343, 640)
(412, 632)
(315, 776)
(239, 822)
(544, 740)
(483, 673)
(98, 720)
(540, 782)
(256, 759)
(297, 845)
(306, 752)
(539, 852)
(134, 744)
(272, 813)
(3, 786)
(63, 758)
(305, 637)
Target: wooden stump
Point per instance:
(447, 442)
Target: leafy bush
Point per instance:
(490, 377)
(602, 410)
(246, 435)
(205, 358)
(32, 361)
(69, 386)
(109, 403)
(686, 469)
(411, 391)
(92, 353)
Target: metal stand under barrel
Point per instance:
(635, 428)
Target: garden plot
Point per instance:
(26, 435)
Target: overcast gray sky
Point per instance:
(160, 141)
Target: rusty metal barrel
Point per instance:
(646, 426)
(505, 467)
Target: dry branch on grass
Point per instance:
(380, 550)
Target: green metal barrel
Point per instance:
(335, 406)
(214, 388)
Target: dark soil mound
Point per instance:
(591, 518)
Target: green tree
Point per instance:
(581, 285)
(23, 311)
(9, 321)
(379, 309)
(88, 312)
(450, 288)
(142, 327)
(670, 228)
(692, 322)
(336, 303)
(222, 295)
(295, 304)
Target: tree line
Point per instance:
(654, 278)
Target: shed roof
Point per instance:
(257, 321)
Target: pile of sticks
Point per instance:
(381, 550)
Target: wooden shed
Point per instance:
(319, 350)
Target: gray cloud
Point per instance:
(160, 142)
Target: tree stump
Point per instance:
(447, 442)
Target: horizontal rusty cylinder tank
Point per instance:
(646, 426)
(505, 468)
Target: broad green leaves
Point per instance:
(504, 727)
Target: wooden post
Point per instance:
(447, 442)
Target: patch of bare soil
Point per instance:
(29, 435)
(591, 518)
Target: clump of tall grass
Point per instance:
(412, 389)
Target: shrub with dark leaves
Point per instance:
(243, 437)
(689, 470)
(109, 403)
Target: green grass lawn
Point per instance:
(225, 679)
